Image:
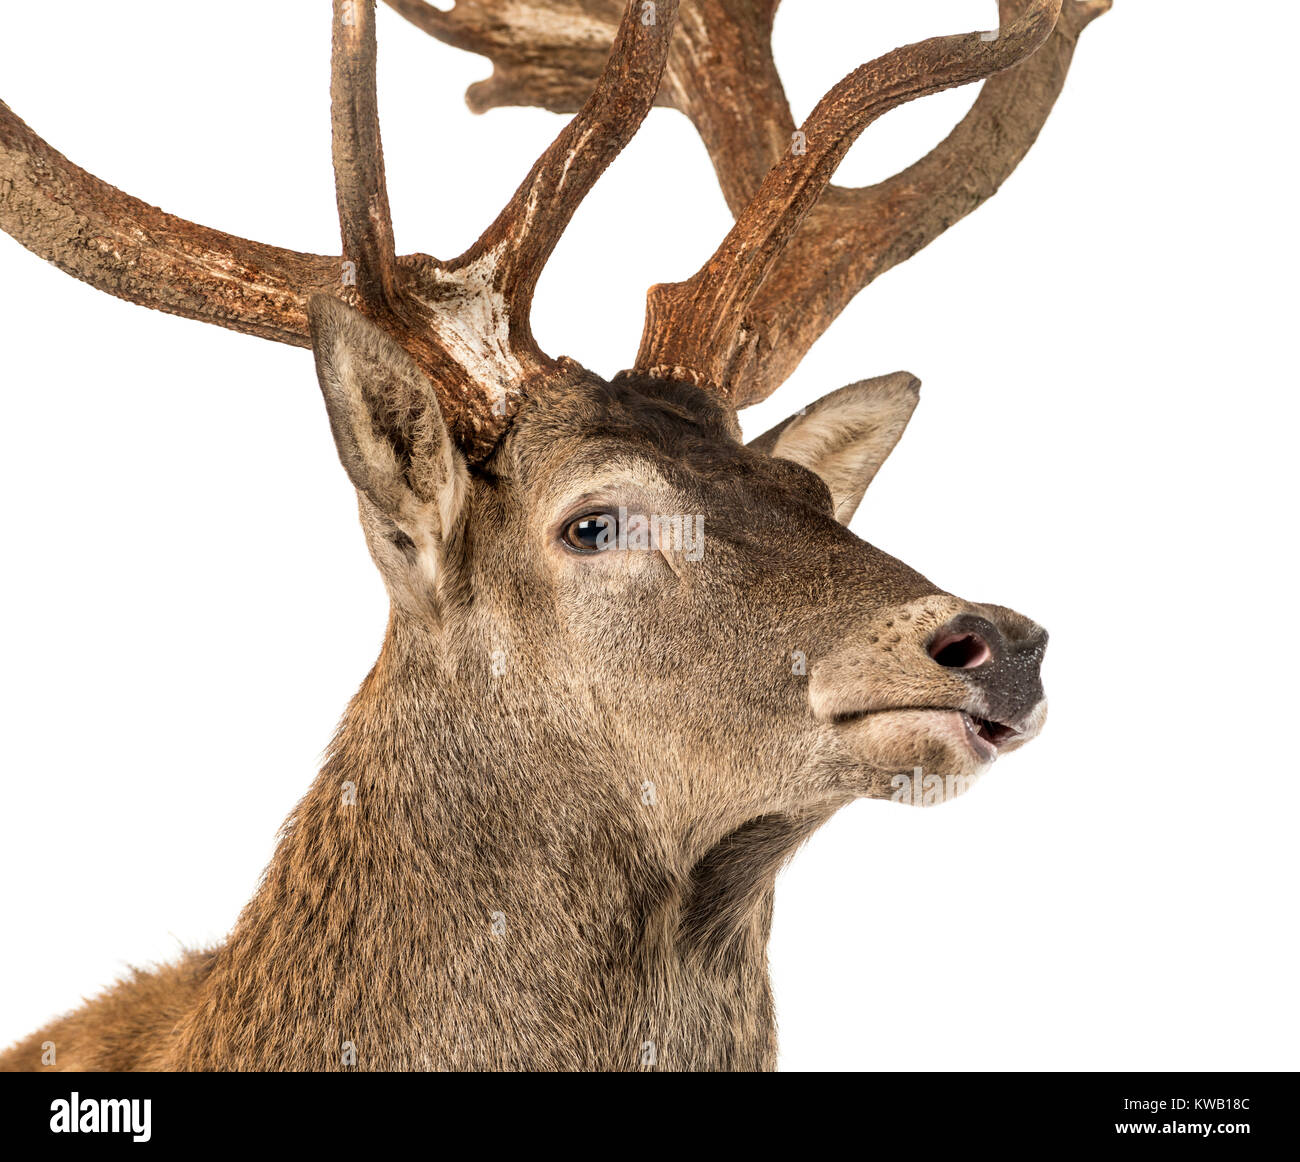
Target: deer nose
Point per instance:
(1001, 651)
(963, 644)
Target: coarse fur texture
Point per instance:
(548, 829)
(549, 826)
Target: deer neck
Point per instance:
(459, 890)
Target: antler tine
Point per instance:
(466, 322)
(524, 235)
(364, 218)
(694, 329)
(852, 236)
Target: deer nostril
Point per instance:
(961, 651)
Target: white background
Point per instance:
(1105, 441)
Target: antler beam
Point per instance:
(119, 244)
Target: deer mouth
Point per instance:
(985, 731)
(988, 736)
(937, 738)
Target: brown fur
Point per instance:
(575, 777)
(548, 829)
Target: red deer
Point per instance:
(632, 662)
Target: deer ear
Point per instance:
(844, 437)
(386, 422)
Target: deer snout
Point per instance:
(999, 653)
(937, 653)
(935, 683)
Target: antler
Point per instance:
(722, 75)
(124, 246)
(526, 232)
(359, 186)
(464, 321)
(796, 256)
(697, 329)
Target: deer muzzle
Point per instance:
(936, 683)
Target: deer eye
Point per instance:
(590, 533)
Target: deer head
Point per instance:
(624, 568)
(599, 591)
